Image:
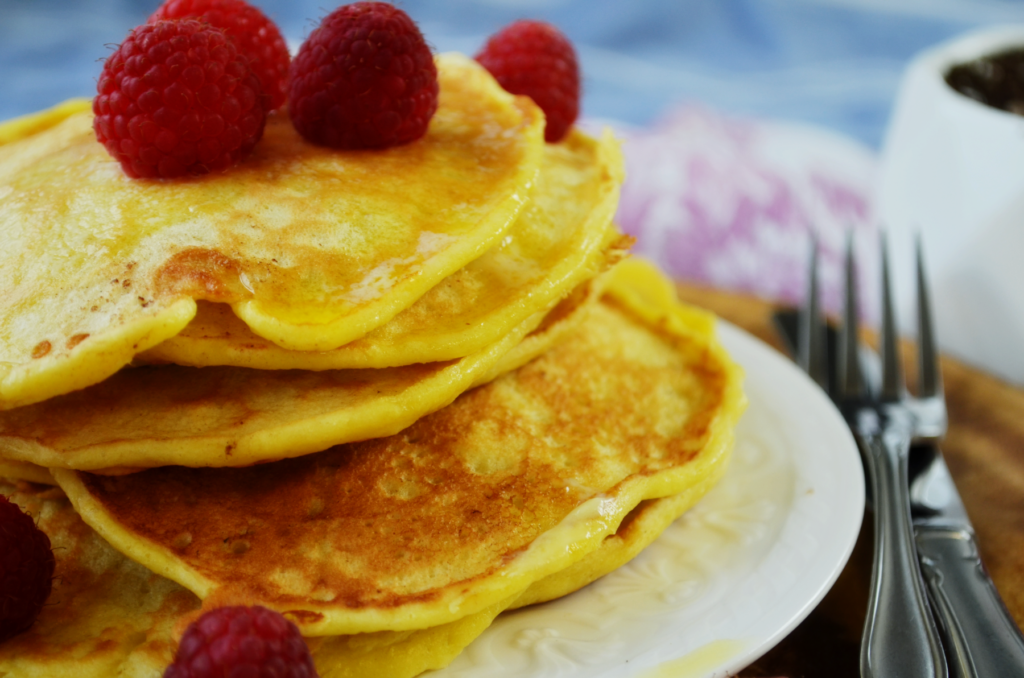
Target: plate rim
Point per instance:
(734, 337)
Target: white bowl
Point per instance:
(953, 171)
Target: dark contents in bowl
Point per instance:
(996, 80)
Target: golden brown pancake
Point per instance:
(559, 323)
(227, 416)
(515, 481)
(311, 247)
(404, 654)
(109, 616)
(560, 239)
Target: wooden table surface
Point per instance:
(984, 449)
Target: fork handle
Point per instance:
(900, 637)
(982, 637)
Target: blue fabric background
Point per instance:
(835, 63)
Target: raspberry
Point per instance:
(535, 59)
(26, 569)
(241, 641)
(177, 98)
(255, 36)
(364, 78)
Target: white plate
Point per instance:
(730, 578)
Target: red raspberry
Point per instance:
(535, 59)
(364, 78)
(255, 36)
(26, 569)
(241, 641)
(177, 98)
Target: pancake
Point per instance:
(514, 481)
(103, 609)
(404, 654)
(228, 416)
(561, 238)
(24, 126)
(311, 247)
(23, 470)
(109, 616)
(555, 326)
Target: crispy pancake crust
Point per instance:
(311, 247)
(560, 239)
(513, 482)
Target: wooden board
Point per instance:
(984, 449)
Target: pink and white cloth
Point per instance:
(731, 202)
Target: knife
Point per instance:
(980, 637)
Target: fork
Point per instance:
(900, 636)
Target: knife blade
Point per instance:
(980, 637)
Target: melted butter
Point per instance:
(382, 278)
(699, 663)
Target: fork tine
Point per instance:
(811, 350)
(929, 374)
(900, 637)
(851, 380)
(892, 376)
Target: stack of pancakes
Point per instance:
(386, 393)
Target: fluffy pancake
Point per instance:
(109, 616)
(311, 247)
(515, 481)
(228, 416)
(560, 239)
